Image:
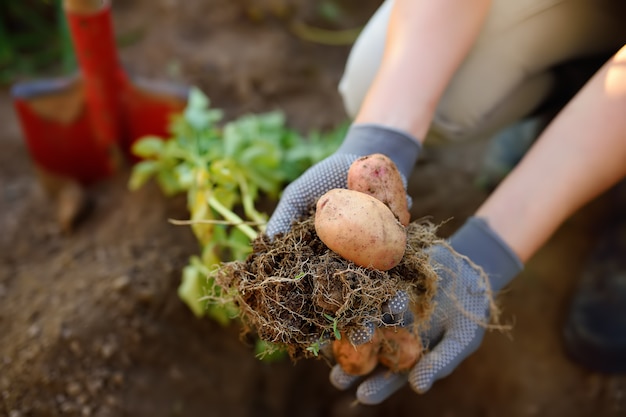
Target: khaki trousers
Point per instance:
(508, 72)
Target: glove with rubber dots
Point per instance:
(361, 140)
(463, 300)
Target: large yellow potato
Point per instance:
(378, 176)
(360, 228)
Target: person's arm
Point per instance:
(426, 43)
(579, 156)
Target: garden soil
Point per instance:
(90, 323)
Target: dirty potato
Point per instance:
(360, 228)
(357, 360)
(400, 349)
(378, 176)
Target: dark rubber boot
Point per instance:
(595, 331)
(506, 148)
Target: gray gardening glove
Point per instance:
(462, 308)
(361, 140)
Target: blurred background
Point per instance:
(91, 321)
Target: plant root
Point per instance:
(297, 294)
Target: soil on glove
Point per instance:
(289, 286)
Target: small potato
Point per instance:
(400, 349)
(357, 360)
(360, 228)
(379, 177)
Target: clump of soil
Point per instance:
(296, 293)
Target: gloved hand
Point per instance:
(361, 140)
(462, 309)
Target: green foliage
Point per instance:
(34, 37)
(315, 348)
(268, 352)
(225, 169)
(334, 321)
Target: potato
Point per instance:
(357, 360)
(400, 349)
(379, 177)
(360, 228)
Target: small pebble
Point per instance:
(121, 283)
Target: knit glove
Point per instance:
(361, 140)
(463, 301)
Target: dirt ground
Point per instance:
(90, 323)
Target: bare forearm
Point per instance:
(580, 155)
(426, 43)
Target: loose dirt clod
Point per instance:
(296, 293)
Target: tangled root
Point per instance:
(294, 292)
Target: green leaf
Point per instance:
(227, 195)
(202, 231)
(141, 173)
(185, 174)
(269, 352)
(253, 131)
(208, 144)
(148, 147)
(314, 348)
(334, 321)
(197, 112)
(217, 245)
(197, 100)
(239, 244)
(264, 155)
(272, 120)
(194, 289)
(268, 180)
(233, 139)
(168, 182)
(222, 172)
(220, 314)
(191, 291)
(209, 257)
(174, 151)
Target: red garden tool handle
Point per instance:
(91, 30)
(82, 127)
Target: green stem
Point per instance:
(248, 203)
(323, 36)
(232, 217)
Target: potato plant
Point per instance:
(332, 273)
(225, 169)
